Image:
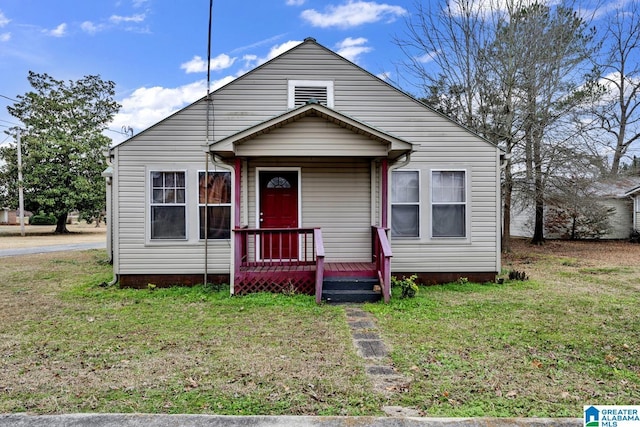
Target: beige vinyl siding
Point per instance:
(261, 95)
(176, 145)
(311, 136)
(336, 196)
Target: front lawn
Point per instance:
(567, 337)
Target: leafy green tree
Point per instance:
(62, 145)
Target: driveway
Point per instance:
(52, 248)
(41, 239)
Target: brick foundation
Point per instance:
(439, 278)
(141, 281)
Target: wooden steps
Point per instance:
(348, 289)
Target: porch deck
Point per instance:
(330, 268)
(295, 277)
(302, 269)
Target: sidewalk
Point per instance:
(145, 420)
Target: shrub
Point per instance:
(43, 219)
(408, 286)
(635, 236)
(518, 275)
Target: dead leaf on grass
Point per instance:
(191, 384)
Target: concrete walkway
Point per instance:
(52, 248)
(144, 420)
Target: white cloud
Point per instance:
(199, 65)
(59, 31)
(386, 75)
(90, 27)
(3, 20)
(252, 61)
(296, 2)
(117, 19)
(353, 14)
(352, 48)
(147, 106)
(280, 49)
(427, 57)
(5, 37)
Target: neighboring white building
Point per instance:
(634, 194)
(610, 193)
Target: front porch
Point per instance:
(302, 270)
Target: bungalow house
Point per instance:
(613, 194)
(306, 169)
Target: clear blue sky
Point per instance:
(155, 50)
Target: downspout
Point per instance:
(108, 175)
(385, 184)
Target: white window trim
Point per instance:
(467, 203)
(291, 102)
(419, 203)
(230, 204)
(148, 202)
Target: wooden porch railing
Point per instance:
(263, 247)
(319, 263)
(382, 256)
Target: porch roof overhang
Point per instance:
(392, 147)
(633, 192)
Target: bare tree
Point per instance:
(617, 110)
(507, 69)
(446, 37)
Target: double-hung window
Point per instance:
(214, 200)
(448, 203)
(405, 204)
(168, 205)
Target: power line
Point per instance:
(11, 123)
(10, 99)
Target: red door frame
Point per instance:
(280, 246)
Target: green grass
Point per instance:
(519, 349)
(180, 350)
(543, 347)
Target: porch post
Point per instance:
(237, 237)
(236, 211)
(384, 170)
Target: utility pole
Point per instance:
(20, 189)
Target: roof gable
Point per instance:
(310, 55)
(384, 143)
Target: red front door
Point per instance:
(279, 209)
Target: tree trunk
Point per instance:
(61, 225)
(538, 232)
(506, 219)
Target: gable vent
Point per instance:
(304, 94)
